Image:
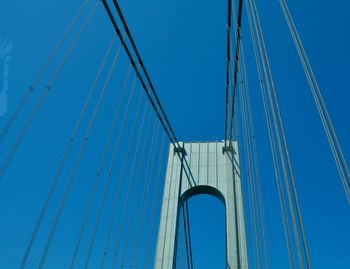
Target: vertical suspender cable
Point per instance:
(133, 204)
(151, 225)
(41, 73)
(278, 131)
(272, 140)
(99, 170)
(252, 196)
(127, 198)
(115, 203)
(44, 95)
(109, 177)
(288, 162)
(284, 154)
(237, 228)
(276, 126)
(189, 234)
(147, 179)
(322, 109)
(78, 159)
(255, 157)
(167, 207)
(186, 236)
(145, 190)
(65, 155)
(115, 153)
(188, 228)
(254, 164)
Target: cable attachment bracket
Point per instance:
(180, 150)
(228, 148)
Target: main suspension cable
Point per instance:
(228, 60)
(160, 114)
(140, 62)
(162, 117)
(235, 70)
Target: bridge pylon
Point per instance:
(202, 168)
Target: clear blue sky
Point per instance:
(183, 46)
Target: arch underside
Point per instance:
(213, 172)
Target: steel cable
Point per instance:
(288, 238)
(127, 199)
(99, 170)
(167, 207)
(43, 96)
(140, 62)
(187, 234)
(65, 155)
(142, 203)
(41, 73)
(252, 196)
(163, 118)
(106, 245)
(186, 238)
(275, 114)
(322, 109)
(286, 163)
(122, 178)
(161, 115)
(279, 183)
(228, 60)
(235, 69)
(109, 177)
(284, 155)
(145, 194)
(78, 159)
(255, 158)
(151, 225)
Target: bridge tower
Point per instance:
(214, 170)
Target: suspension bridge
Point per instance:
(99, 167)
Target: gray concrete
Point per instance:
(213, 174)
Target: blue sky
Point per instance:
(183, 46)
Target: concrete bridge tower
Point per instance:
(214, 170)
